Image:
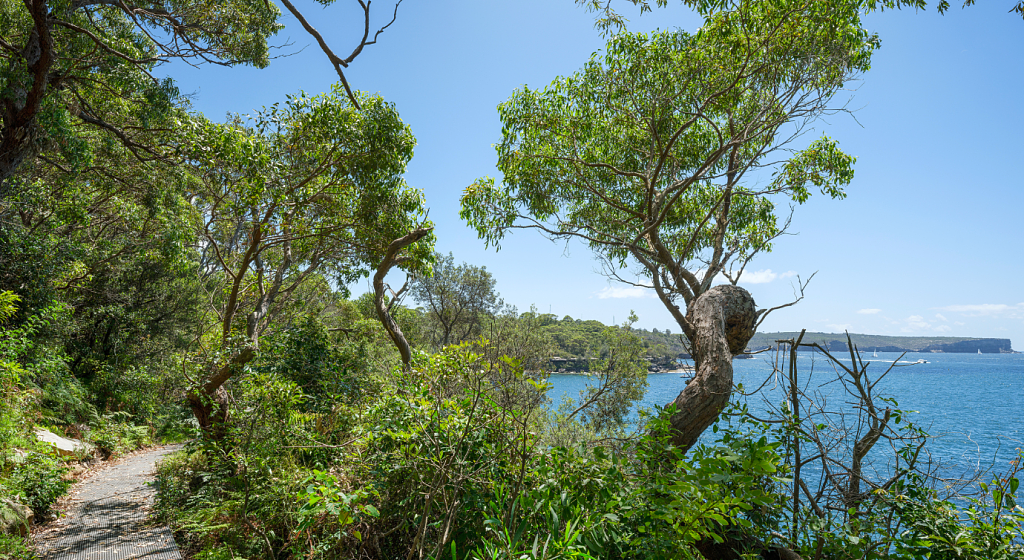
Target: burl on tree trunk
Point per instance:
(721, 322)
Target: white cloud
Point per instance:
(869, 311)
(916, 323)
(838, 328)
(622, 292)
(764, 276)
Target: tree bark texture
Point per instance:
(719, 324)
(209, 401)
(211, 411)
(22, 102)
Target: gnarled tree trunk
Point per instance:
(211, 411)
(720, 323)
(209, 401)
(392, 259)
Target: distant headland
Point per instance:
(574, 341)
(878, 343)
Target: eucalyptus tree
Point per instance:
(72, 66)
(309, 187)
(668, 154)
(68, 67)
(458, 299)
(609, 18)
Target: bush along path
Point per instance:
(108, 516)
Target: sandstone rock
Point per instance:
(65, 447)
(15, 518)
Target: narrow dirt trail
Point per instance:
(107, 516)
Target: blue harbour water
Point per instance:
(971, 404)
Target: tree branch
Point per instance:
(391, 259)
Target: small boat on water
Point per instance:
(687, 371)
(979, 350)
(875, 353)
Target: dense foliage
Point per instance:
(457, 458)
(75, 72)
(168, 278)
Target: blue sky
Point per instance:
(928, 242)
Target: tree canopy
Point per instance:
(609, 19)
(73, 68)
(77, 69)
(309, 187)
(458, 299)
(658, 152)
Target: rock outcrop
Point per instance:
(64, 446)
(15, 518)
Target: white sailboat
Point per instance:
(875, 353)
(979, 350)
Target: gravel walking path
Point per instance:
(108, 516)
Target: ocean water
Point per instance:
(971, 404)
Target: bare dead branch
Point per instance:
(800, 286)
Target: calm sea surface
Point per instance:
(972, 404)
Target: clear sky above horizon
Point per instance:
(928, 241)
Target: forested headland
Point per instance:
(880, 343)
(165, 277)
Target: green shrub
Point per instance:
(237, 496)
(448, 462)
(328, 373)
(147, 391)
(176, 426)
(653, 502)
(116, 435)
(16, 405)
(38, 481)
(13, 547)
(989, 528)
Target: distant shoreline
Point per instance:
(685, 370)
(837, 342)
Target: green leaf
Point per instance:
(371, 511)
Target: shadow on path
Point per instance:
(108, 517)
